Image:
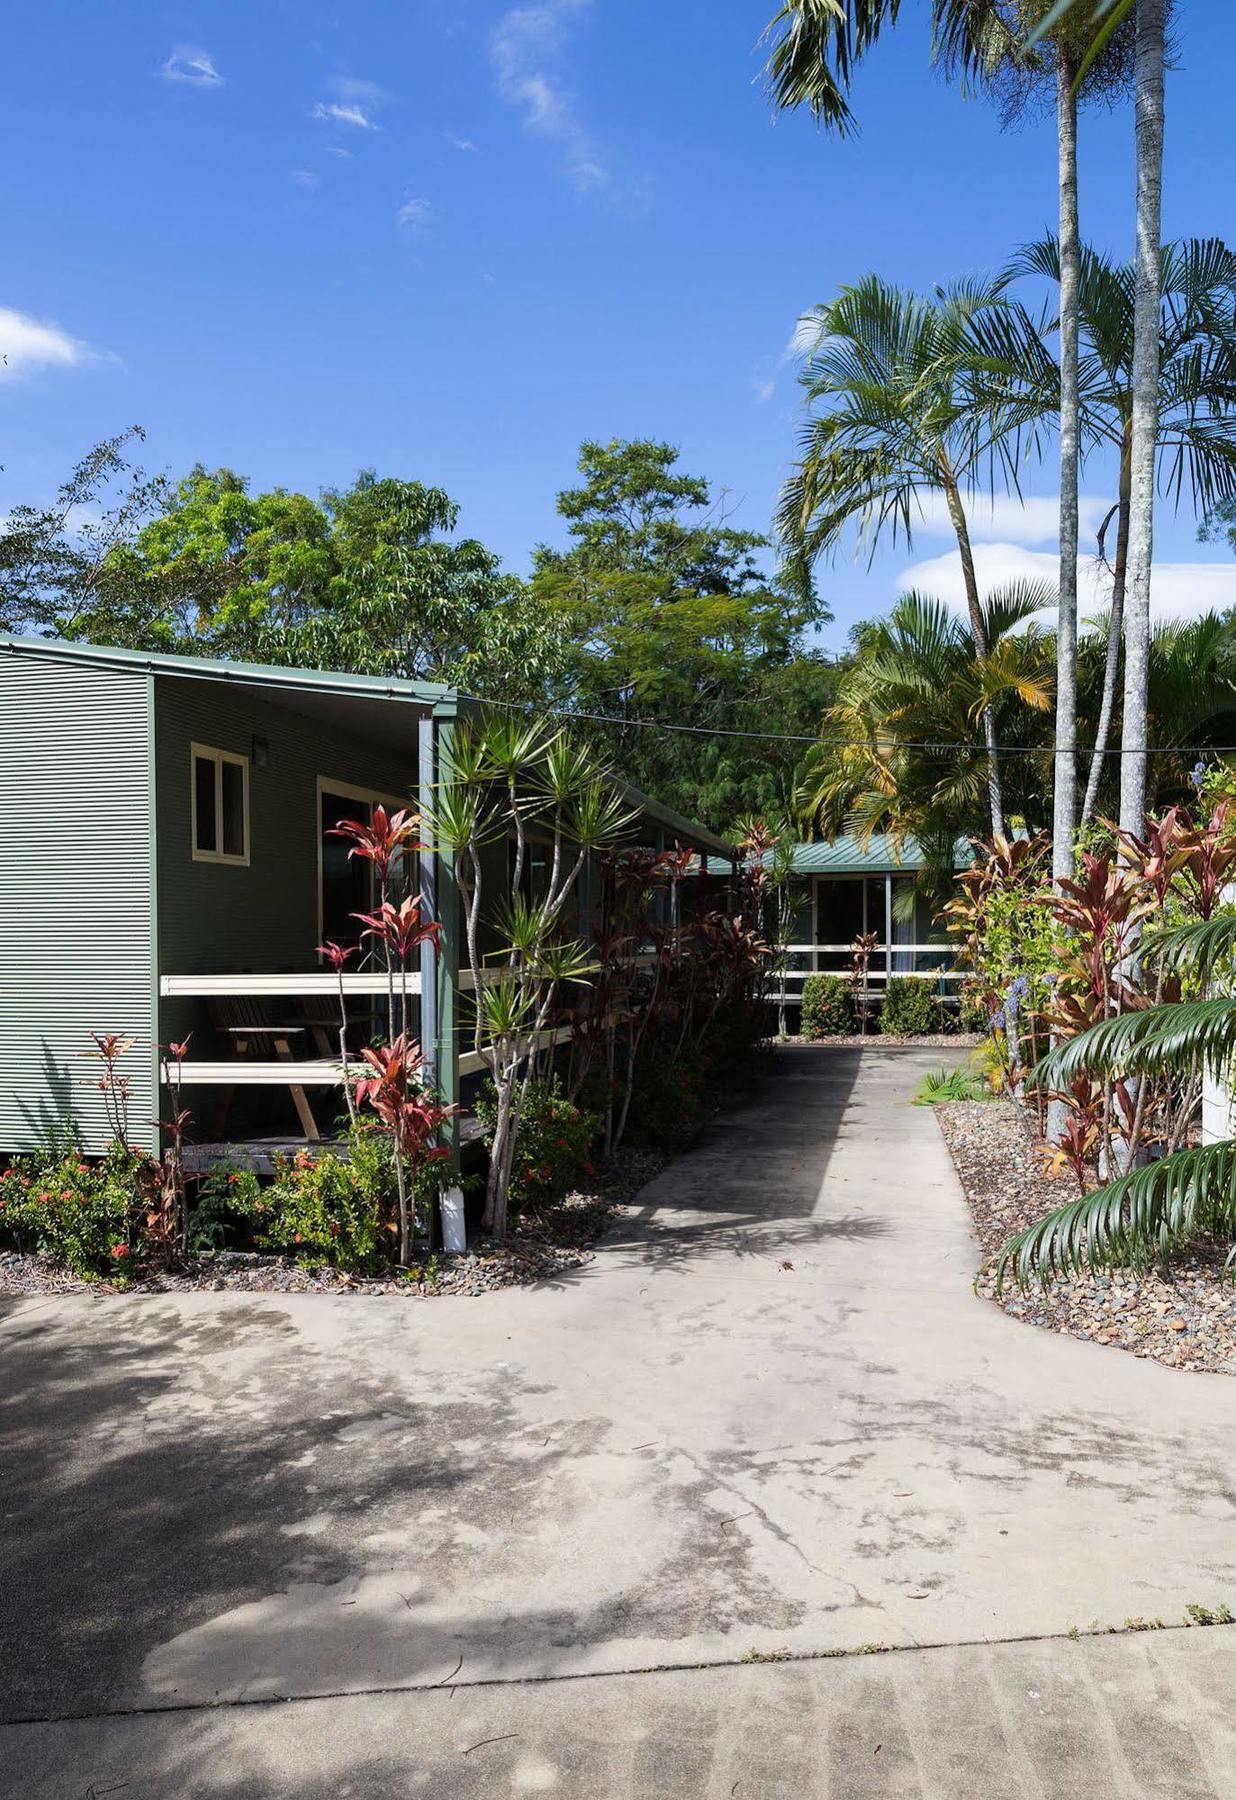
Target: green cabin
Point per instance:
(169, 871)
(854, 887)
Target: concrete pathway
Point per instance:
(773, 1417)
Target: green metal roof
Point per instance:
(876, 855)
(204, 668)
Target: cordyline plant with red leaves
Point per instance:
(1171, 1017)
(664, 973)
(768, 866)
(397, 928)
(108, 1049)
(1141, 931)
(411, 1115)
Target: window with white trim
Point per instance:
(219, 801)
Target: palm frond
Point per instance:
(1200, 947)
(1135, 1220)
(1183, 1034)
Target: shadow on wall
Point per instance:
(52, 1119)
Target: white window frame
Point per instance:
(212, 754)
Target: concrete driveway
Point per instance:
(771, 1417)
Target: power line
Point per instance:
(786, 737)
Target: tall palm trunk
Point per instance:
(1115, 630)
(978, 630)
(1150, 61)
(1064, 801)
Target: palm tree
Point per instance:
(989, 40)
(1150, 69)
(1196, 414)
(902, 749)
(1150, 65)
(1009, 46)
(917, 396)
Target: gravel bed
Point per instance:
(1185, 1322)
(536, 1250)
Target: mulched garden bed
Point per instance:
(536, 1250)
(879, 1040)
(1186, 1322)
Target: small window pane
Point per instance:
(233, 809)
(207, 838)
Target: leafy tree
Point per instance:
(369, 579)
(673, 616)
(219, 566)
(407, 598)
(54, 559)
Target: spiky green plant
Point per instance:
(940, 1086)
(532, 786)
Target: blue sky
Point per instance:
(451, 238)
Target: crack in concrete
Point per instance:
(1071, 1636)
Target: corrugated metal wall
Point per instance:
(76, 880)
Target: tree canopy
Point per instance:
(672, 614)
(368, 578)
(657, 609)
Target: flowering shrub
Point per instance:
(828, 1007)
(89, 1217)
(552, 1145)
(909, 1008)
(318, 1208)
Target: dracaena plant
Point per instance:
(396, 927)
(767, 847)
(390, 1086)
(535, 790)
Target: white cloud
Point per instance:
(1178, 590)
(338, 150)
(459, 143)
(355, 104)
(525, 46)
(1034, 519)
(336, 114)
(767, 371)
(305, 178)
(364, 93)
(196, 67)
(416, 214)
(27, 343)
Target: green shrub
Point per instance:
(909, 1008)
(325, 1208)
(669, 1097)
(828, 1007)
(88, 1217)
(552, 1147)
